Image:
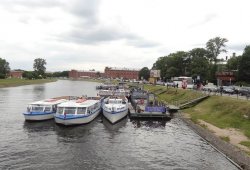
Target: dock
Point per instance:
(147, 115)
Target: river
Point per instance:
(97, 145)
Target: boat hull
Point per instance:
(114, 117)
(38, 116)
(75, 120)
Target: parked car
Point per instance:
(244, 91)
(210, 88)
(228, 90)
(170, 84)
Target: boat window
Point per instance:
(115, 101)
(81, 110)
(29, 108)
(36, 108)
(69, 110)
(47, 109)
(96, 106)
(60, 110)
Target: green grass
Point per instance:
(245, 143)
(225, 138)
(11, 82)
(173, 95)
(223, 112)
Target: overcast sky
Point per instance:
(92, 34)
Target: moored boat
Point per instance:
(79, 111)
(43, 109)
(145, 105)
(115, 108)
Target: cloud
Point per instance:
(12, 4)
(85, 8)
(142, 43)
(101, 34)
(237, 47)
(206, 19)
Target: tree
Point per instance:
(4, 68)
(39, 66)
(30, 75)
(215, 46)
(175, 64)
(244, 66)
(145, 73)
(199, 63)
(233, 63)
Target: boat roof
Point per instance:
(50, 101)
(78, 103)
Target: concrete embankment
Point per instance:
(234, 154)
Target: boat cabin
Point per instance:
(48, 105)
(79, 107)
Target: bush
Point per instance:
(2, 76)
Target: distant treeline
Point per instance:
(202, 62)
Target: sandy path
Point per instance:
(234, 135)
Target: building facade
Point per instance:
(113, 72)
(225, 78)
(85, 74)
(109, 72)
(16, 74)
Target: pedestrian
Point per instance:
(221, 90)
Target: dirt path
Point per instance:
(234, 135)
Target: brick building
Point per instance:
(109, 72)
(225, 78)
(113, 72)
(16, 74)
(84, 74)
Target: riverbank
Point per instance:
(13, 82)
(218, 119)
(226, 117)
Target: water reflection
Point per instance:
(31, 127)
(74, 133)
(116, 126)
(39, 90)
(149, 123)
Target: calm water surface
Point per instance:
(98, 145)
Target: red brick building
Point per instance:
(16, 74)
(225, 77)
(109, 72)
(84, 74)
(113, 72)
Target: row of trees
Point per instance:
(202, 62)
(4, 68)
(39, 72)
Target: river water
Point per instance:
(97, 145)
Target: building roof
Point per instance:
(123, 68)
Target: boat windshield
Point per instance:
(69, 110)
(115, 101)
(81, 110)
(37, 108)
(47, 109)
(60, 110)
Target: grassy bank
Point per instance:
(223, 112)
(19, 82)
(173, 95)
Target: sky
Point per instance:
(93, 34)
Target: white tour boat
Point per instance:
(42, 110)
(115, 108)
(80, 111)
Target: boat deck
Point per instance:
(157, 115)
